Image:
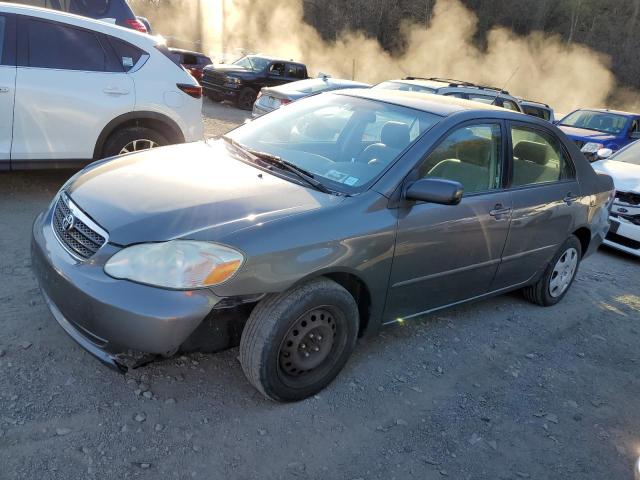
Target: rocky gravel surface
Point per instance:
(498, 389)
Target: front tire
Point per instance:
(133, 139)
(295, 343)
(558, 276)
(246, 98)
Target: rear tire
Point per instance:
(295, 343)
(132, 139)
(558, 276)
(246, 98)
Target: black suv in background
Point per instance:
(241, 80)
(113, 11)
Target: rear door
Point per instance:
(450, 253)
(70, 85)
(546, 199)
(7, 86)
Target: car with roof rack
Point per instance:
(454, 88)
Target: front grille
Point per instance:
(579, 143)
(624, 241)
(79, 239)
(213, 77)
(628, 197)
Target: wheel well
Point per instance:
(157, 122)
(584, 235)
(358, 289)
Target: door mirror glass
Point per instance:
(604, 153)
(435, 190)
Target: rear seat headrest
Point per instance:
(532, 151)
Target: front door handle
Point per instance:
(570, 198)
(4, 89)
(499, 211)
(115, 91)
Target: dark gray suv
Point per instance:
(320, 222)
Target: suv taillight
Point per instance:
(136, 24)
(194, 91)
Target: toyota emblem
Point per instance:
(68, 222)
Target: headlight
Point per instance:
(177, 264)
(591, 147)
(233, 80)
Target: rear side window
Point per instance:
(128, 55)
(189, 59)
(509, 105)
(537, 158)
(52, 45)
(3, 28)
(295, 71)
(537, 112)
(88, 8)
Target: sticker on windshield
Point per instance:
(336, 176)
(351, 181)
(127, 62)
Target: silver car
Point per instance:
(272, 98)
(315, 225)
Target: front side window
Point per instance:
(469, 155)
(604, 122)
(277, 69)
(58, 46)
(537, 158)
(3, 25)
(325, 135)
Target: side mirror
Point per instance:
(435, 190)
(604, 153)
(634, 135)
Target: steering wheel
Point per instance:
(373, 154)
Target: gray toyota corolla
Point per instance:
(320, 222)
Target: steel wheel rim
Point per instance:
(563, 272)
(138, 145)
(246, 101)
(309, 343)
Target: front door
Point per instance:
(7, 86)
(546, 200)
(446, 254)
(70, 85)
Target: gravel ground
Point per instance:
(498, 389)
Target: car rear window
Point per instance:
(128, 55)
(52, 45)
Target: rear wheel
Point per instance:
(133, 139)
(558, 276)
(246, 98)
(295, 343)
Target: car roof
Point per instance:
(187, 52)
(606, 110)
(128, 34)
(437, 104)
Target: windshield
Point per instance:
(599, 121)
(255, 64)
(345, 142)
(405, 87)
(630, 154)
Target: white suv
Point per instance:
(73, 90)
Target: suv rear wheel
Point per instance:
(295, 343)
(133, 139)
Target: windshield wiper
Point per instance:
(283, 164)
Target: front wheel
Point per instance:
(133, 139)
(295, 343)
(246, 98)
(558, 276)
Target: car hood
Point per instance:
(228, 68)
(587, 135)
(626, 176)
(198, 190)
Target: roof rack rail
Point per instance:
(459, 83)
(535, 101)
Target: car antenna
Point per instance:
(505, 85)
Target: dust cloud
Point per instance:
(538, 66)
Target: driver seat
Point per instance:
(394, 137)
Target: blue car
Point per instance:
(594, 129)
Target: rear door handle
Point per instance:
(498, 211)
(115, 91)
(570, 198)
